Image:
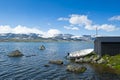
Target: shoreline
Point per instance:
(106, 61)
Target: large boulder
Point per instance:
(15, 53)
(42, 47)
(76, 69)
(56, 62)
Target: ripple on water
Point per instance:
(32, 68)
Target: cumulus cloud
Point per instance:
(51, 33)
(26, 30)
(71, 28)
(84, 21)
(108, 28)
(114, 18)
(18, 30)
(105, 27)
(79, 20)
(5, 29)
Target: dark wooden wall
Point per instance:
(111, 48)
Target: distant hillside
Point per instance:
(39, 38)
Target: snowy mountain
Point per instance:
(33, 36)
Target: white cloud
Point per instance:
(26, 30)
(83, 21)
(5, 29)
(91, 27)
(51, 33)
(105, 27)
(114, 18)
(63, 19)
(108, 28)
(71, 28)
(19, 30)
(79, 20)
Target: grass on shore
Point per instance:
(113, 61)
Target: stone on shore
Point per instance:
(59, 62)
(80, 60)
(76, 69)
(96, 58)
(15, 53)
(101, 61)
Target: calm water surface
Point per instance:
(32, 68)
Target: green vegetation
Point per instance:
(113, 61)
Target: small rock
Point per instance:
(46, 65)
(96, 58)
(76, 69)
(109, 65)
(94, 62)
(86, 60)
(56, 62)
(30, 55)
(101, 61)
(91, 57)
(42, 47)
(15, 53)
(80, 60)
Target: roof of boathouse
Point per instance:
(108, 39)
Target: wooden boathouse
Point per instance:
(107, 45)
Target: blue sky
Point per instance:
(77, 17)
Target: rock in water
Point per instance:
(76, 69)
(56, 62)
(46, 65)
(15, 53)
(42, 47)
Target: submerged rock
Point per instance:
(15, 53)
(76, 69)
(42, 47)
(30, 55)
(46, 65)
(56, 62)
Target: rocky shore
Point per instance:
(112, 62)
(91, 58)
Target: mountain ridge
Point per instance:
(39, 37)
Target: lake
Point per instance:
(32, 67)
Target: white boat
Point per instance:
(80, 53)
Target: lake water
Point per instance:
(32, 68)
